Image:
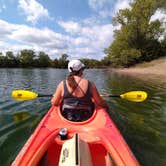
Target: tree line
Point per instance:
(28, 58)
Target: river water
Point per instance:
(143, 125)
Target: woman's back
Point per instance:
(80, 89)
(77, 93)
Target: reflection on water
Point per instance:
(143, 125)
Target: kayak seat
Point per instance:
(76, 115)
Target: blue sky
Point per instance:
(79, 28)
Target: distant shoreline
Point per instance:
(154, 70)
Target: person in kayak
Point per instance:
(77, 95)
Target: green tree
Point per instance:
(2, 60)
(11, 60)
(27, 58)
(105, 61)
(43, 60)
(91, 63)
(161, 4)
(63, 62)
(55, 63)
(163, 44)
(137, 40)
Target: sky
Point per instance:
(78, 28)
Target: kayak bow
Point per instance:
(58, 141)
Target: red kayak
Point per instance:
(58, 141)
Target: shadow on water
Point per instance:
(143, 125)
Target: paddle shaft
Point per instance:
(113, 96)
(41, 95)
(107, 95)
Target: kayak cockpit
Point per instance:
(76, 152)
(77, 115)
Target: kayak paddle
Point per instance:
(22, 95)
(135, 96)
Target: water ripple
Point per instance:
(143, 125)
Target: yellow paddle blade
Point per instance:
(135, 96)
(22, 95)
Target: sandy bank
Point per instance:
(150, 70)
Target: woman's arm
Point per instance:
(57, 96)
(97, 98)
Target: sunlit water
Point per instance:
(143, 125)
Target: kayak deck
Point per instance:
(77, 153)
(99, 133)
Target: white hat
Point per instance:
(75, 65)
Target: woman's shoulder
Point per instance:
(91, 82)
(60, 85)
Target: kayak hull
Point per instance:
(105, 142)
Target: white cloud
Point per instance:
(103, 8)
(88, 39)
(108, 8)
(6, 30)
(83, 39)
(19, 37)
(122, 4)
(161, 16)
(33, 10)
(6, 46)
(70, 26)
(97, 4)
(90, 31)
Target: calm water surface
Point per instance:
(143, 125)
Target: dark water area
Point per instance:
(143, 125)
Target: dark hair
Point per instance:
(70, 79)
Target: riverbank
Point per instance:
(154, 70)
